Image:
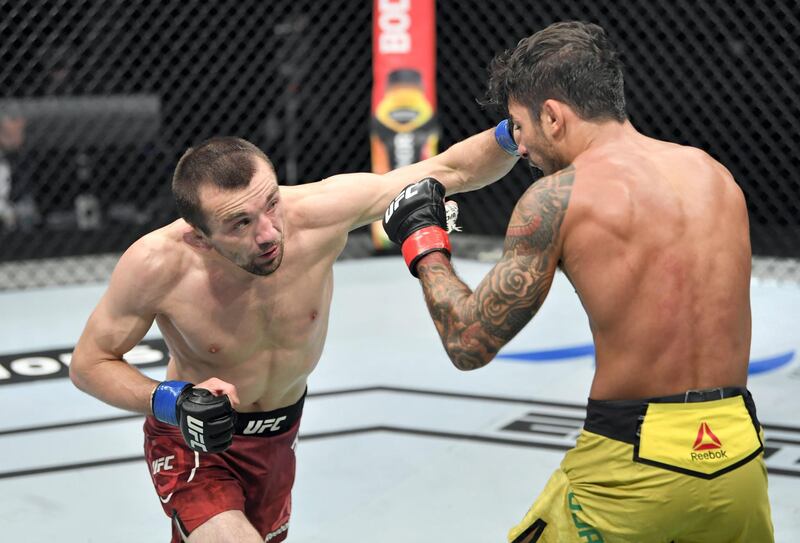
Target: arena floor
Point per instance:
(396, 445)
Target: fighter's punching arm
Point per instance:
(353, 200)
(467, 165)
(121, 319)
(474, 326)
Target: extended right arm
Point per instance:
(355, 199)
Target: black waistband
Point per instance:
(620, 419)
(270, 423)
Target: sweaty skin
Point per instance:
(653, 236)
(254, 336)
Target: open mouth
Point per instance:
(270, 253)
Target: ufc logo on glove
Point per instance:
(417, 220)
(409, 192)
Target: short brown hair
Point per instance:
(572, 62)
(224, 162)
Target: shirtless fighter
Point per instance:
(654, 238)
(240, 288)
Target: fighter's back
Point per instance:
(656, 243)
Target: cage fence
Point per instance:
(98, 100)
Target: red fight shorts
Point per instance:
(254, 475)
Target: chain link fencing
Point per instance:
(99, 98)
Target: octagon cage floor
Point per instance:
(395, 444)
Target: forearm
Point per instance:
(474, 326)
(467, 165)
(454, 310)
(116, 383)
(476, 162)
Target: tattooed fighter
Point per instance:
(654, 238)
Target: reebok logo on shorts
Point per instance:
(707, 441)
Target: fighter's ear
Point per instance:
(553, 116)
(196, 238)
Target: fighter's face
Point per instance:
(247, 225)
(533, 141)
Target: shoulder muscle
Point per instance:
(536, 222)
(145, 273)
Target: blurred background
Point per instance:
(99, 98)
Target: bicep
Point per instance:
(112, 331)
(509, 297)
(121, 318)
(514, 290)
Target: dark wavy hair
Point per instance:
(572, 62)
(224, 162)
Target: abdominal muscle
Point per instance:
(268, 360)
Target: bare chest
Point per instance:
(285, 319)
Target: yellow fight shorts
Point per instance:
(687, 468)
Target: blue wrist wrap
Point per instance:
(165, 400)
(502, 133)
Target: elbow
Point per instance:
(467, 361)
(77, 371)
(75, 375)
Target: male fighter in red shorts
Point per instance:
(241, 289)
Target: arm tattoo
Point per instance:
(474, 326)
